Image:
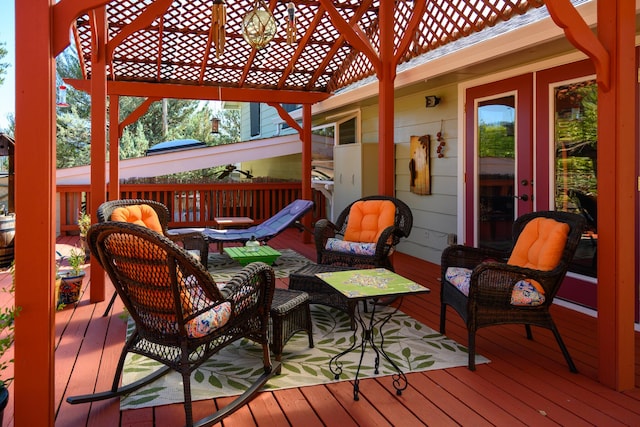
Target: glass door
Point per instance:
(566, 133)
(499, 179)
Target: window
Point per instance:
(254, 115)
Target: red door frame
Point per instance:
(523, 86)
(572, 289)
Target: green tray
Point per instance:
(248, 254)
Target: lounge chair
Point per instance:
(286, 217)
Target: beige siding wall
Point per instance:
(283, 167)
(434, 215)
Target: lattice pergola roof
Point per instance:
(169, 41)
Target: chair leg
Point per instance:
(563, 348)
(472, 350)
(527, 328)
(113, 299)
(188, 408)
(443, 317)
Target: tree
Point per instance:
(3, 65)
(73, 140)
(68, 66)
(178, 112)
(133, 142)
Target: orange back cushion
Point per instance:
(143, 215)
(368, 219)
(540, 244)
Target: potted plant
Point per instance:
(7, 317)
(71, 283)
(84, 222)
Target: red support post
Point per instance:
(34, 253)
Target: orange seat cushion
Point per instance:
(143, 215)
(368, 219)
(540, 244)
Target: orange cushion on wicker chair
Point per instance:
(540, 244)
(143, 215)
(368, 219)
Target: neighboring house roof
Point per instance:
(166, 163)
(175, 145)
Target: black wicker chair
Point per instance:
(492, 282)
(194, 242)
(181, 317)
(390, 237)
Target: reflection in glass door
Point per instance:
(496, 172)
(575, 136)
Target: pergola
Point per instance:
(173, 49)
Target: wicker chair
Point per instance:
(181, 317)
(492, 282)
(325, 229)
(193, 241)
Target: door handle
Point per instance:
(524, 197)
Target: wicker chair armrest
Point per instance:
(251, 288)
(389, 237)
(323, 231)
(492, 283)
(468, 256)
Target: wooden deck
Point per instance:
(526, 383)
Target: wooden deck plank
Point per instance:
(297, 408)
(324, 404)
(527, 382)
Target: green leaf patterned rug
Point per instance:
(413, 347)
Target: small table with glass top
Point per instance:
(363, 285)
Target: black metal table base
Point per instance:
(368, 338)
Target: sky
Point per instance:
(7, 36)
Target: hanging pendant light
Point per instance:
(259, 26)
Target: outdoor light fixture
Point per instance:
(432, 101)
(62, 97)
(215, 125)
(259, 26)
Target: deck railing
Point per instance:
(194, 205)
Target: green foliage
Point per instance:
(76, 260)
(84, 222)
(4, 66)
(133, 142)
(178, 112)
(73, 139)
(495, 141)
(185, 119)
(68, 66)
(7, 318)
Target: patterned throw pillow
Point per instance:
(355, 248)
(208, 322)
(524, 292)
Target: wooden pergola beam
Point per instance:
(203, 93)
